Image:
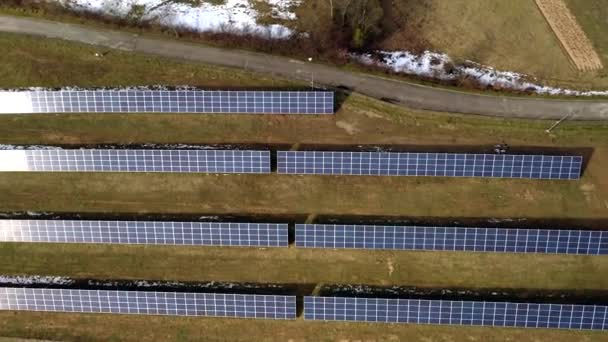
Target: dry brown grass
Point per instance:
(100, 327)
(570, 34)
(508, 35)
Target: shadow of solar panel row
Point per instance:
(97, 160)
(146, 232)
(495, 314)
(149, 303)
(452, 239)
(429, 164)
(166, 101)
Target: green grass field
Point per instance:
(361, 120)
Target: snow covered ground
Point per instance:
(142, 285)
(439, 66)
(28, 147)
(232, 15)
(34, 280)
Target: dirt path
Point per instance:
(411, 95)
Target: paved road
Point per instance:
(411, 95)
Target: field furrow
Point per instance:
(570, 34)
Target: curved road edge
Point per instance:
(408, 94)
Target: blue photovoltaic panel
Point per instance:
(146, 232)
(495, 314)
(96, 160)
(168, 101)
(149, 303)
(429, 164)
(452, 239)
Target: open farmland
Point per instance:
(509, 35)
(360, 120)
(570, 34)
(591, 15)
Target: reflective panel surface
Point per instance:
(429, 164)
(452, 239)
(146, 232)
(495, 314)
(148, 303)
(98, 160)
(167, 101)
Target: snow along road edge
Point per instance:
(408, 94)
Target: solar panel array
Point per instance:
(149, 303)
(168, 101)
(452, 239)
(98, 160)
(495, 314)
(429, 164)
(146, 232)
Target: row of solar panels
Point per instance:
(294, 162)
(308, 236)
(497, 314)
(166, 101)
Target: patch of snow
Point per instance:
(9, 91)
(18, 148)
(28, 147)
(440, 66)
(26, 214)
(35, 280)
(24, 89)
(501, 220)
(188, 147)
(210, 218)
(236, 16)
(281, 9)
(38, 213)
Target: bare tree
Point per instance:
(362, 18)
